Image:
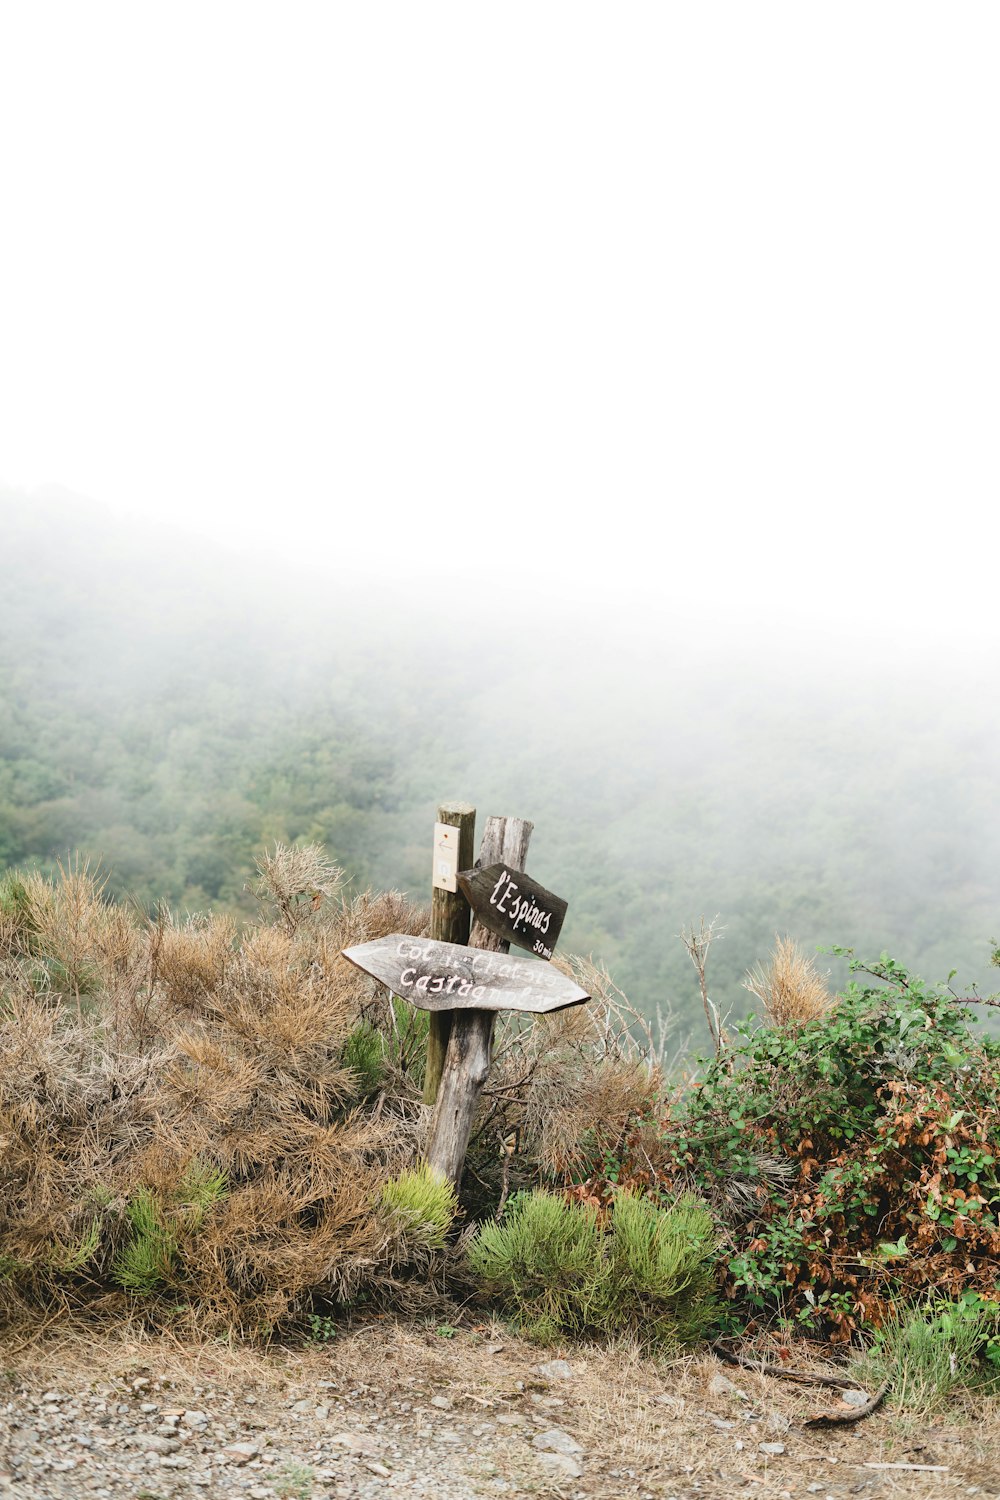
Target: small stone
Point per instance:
(355, 1442)
(321, 1413)
(441, 1402)
(240, 1453)
(721, 1385)
(175, 1461)
(512, 1419)
(773, 1450)
(556, 1441)
(260, 1492)
(157, 1444)
(855, 1398)
(379, 1469)
(554, 1369)
(52, 1396)
(494, 1348)
(561, 1463)
(722, 1424)
(302, 1406)
(149, 1406)
(195, 1419)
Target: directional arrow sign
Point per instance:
(446, 976)
(518, 909)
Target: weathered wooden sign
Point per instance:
(515, 907)
(445, 976)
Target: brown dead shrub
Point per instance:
(789, 986)
(177, 1118)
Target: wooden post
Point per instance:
(450, 920)
(467, 1062)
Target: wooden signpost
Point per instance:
(465, 986)
(450, 922)
(444, 976)
(515, 907)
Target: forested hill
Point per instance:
(171, 711)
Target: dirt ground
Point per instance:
(448, 1411)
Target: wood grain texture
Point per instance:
(467, 1064)
(514, 907)
(446, 977)
(451, 920)
(505, 841)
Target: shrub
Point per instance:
(564, 1268)
(423, 1204)
(661, 1270)
(181, 1119)
(790, 987)
(543, 1262)
(855, 1158)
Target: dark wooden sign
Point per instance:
(515, 907)
(446, 976)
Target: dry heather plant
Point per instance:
(179, 1113)
(566, 1084)
(790, 987)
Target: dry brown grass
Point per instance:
(790, 987)
(197, 1077)
(647, 1428)
(182, 1120)
(559, 1080)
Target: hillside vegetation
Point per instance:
(170, 714)
(222, 1129)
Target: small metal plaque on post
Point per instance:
(445, 876)
(515, 907)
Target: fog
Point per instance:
(587, 414)
(688, 311)
(172, 712)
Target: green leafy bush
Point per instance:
(855, 1158)
(563, 1268)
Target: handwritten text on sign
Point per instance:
(515, 907)
(446, 976)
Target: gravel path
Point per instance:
(139, 1442)
(398, 1411)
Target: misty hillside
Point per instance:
(170, 711)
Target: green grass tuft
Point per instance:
(364, 1055)
(147, 1259)
(557, 1270)
(926, 1354)
(423, 1204)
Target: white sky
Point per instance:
(691, 302)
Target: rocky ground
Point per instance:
(448, 1412)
